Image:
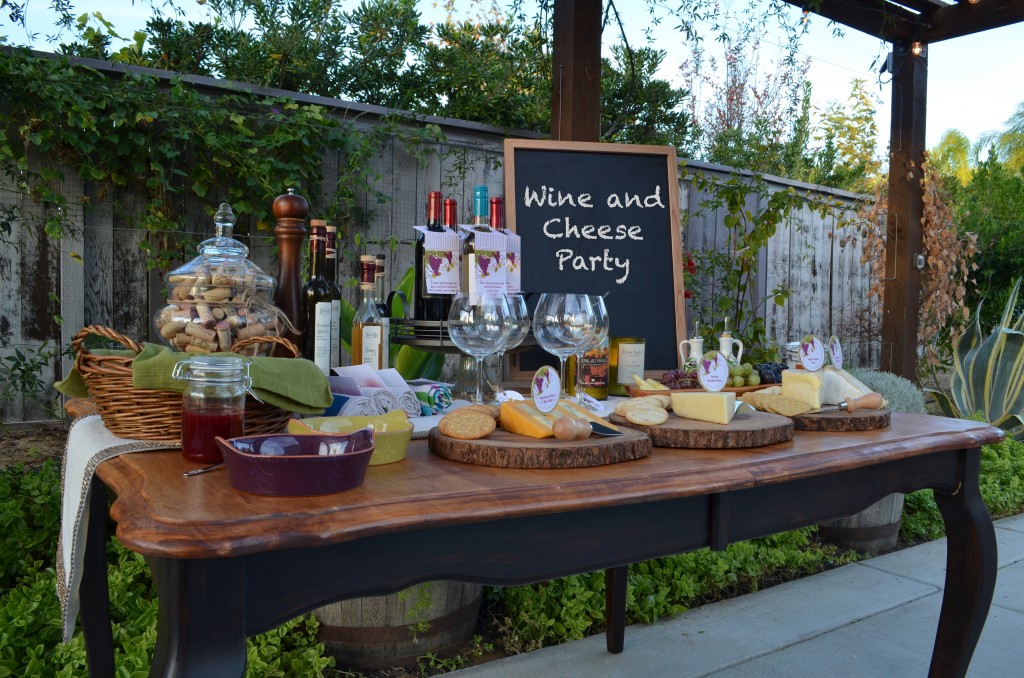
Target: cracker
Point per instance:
(490, 410)
(647, 416)
(466, 424)
(777, 403)
(663, 401)
(628, 405)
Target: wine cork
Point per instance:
(193, 348)
(200, 332)
(224, 335)
(218, 313)
(205, 316)
(171, 328)
(257, 330)
(217, 294)
(203, 343)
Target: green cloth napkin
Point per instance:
(291, 384)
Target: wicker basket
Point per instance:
(149, 414)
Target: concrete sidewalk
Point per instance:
(874, 618)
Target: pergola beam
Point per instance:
(576, 71)
(955, 21)
(904, 241)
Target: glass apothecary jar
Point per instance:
(220, 297)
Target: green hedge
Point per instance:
(524, 617)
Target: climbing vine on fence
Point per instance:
(170, 142)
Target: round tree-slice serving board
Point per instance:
(511, 450)
(839, 421)
(749, 429)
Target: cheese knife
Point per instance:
(871, 401)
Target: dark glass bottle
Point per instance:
(428, 306)
(384, 309)
(332, 279)
(317, 301)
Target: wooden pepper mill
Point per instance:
(291, 211)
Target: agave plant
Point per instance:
(989, 376)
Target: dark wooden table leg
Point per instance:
(93, 594)
(615, 607)
(971, 564)
(201, 629)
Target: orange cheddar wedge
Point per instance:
(522, 417)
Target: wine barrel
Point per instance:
(874, 530)
(380, 632)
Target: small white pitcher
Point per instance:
(726, 344)
(691, 349)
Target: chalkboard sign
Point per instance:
(603, 218)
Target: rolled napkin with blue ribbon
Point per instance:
(433, 398)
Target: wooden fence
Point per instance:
(97, 274)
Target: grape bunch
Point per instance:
(743, 375)
(770, 373)
(680, 379)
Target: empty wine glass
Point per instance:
(479, 329)
(598, 333)
(561, 324)
(519, 320)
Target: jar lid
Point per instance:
(226, 257)
(213, 368)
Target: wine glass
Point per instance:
(479, 329)
(519, 320)
(598, 333)
(561, 324)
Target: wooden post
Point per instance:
(576, 71)
(291, 211)
(906, 206)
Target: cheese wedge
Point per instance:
(522, 417)
(803, 386)
(717, 408)
(839, 386)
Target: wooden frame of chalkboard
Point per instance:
(601, 218)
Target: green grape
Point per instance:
(754, 380)
(737, 380)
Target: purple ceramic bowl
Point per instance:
(286, 465)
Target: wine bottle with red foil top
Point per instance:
(317, 300)
(427, 306)
(497, 214)
(384, 309)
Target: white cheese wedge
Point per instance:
(839, 386)
(717, 408)
(803, 386)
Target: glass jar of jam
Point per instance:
(213, 404)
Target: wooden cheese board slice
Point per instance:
(511, 450)
(749, 429)
(839, 421)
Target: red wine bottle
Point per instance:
(317, 300)
(427, 306)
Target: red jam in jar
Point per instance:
(199, 428)
(212, 405)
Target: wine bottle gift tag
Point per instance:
(441, 260)
(513, 263)
(487, 277)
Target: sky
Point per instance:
(975, 83)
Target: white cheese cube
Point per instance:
(803, 386)
(717, 408)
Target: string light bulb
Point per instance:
(807, 12)
(916, 48)
(973, 2)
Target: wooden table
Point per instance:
(229, 565)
